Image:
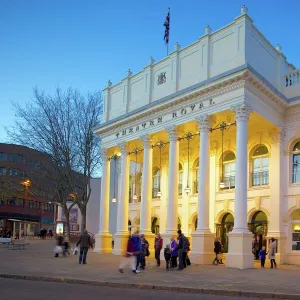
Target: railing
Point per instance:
(292, 78)
(195, 187)
(154, 193)
(229, 182)
(260, 178)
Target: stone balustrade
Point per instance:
(292, 78)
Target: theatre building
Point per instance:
(206, 140)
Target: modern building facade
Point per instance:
(26, 202)
(214, 130)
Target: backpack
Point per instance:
(186, 244)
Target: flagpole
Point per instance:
(169, 33)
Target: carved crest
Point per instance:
(161, 78)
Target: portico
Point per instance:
(176, 182)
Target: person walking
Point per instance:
(262, 256)
(272, 253)
(174, 253)
(85, 243)
(183, 248)
(129, 258)
(217, 250)
(158, 244)
(144, 253)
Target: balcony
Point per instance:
(260, 178)
(292, 84)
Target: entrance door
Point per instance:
(224, 228)
(259, 227)
(155, 226)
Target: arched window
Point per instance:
(296, 163)
(260, 166)
(139, 186)
(131, 188)
(156, 182)
(196, 175)
(155, 226)
(229, 170)
(180, 179)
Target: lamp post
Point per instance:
(26, 183)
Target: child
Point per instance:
(262, 255)
(167, 253)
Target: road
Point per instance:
(36, 290)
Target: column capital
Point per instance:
(242, 112)
(203, 123)
(123, 148)
(172, 132)
(277, 135)
(104, 154)
(146, 140)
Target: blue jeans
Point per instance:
(82, 255)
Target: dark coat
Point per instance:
(85, 241)
(218, 247)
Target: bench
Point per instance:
(17, 246)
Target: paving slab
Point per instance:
(38, 262)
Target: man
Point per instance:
(85, 243)
(183, 248)
(158, 244)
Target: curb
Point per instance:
(232, 293)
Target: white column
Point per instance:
(121, 236)
(59, 213)
(240, 239)
(185, 200)
(146, 186)
(241, 170)
(203, 171)
(203, 239)
(103, 238)
(172, 217)
(276, 179)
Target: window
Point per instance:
(2, 171)
(260, 166)
(33, 204)
(295, 223)
(2, 202)
(229, 170)
(17, 158)
(17, 172)
(48, 207)
(15, 202)
(180, 179)
(35, 164)
(196, 174)
(156, 183)
(3, 156)
(296, 163)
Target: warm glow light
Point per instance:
(118, 154)
(187, 189)
(222, 185)
(134, 197)
(26, 182)
(159, 194)
(114, 200)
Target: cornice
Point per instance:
(207, 93)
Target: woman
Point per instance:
(145, 252)
(174, 252)
(217, 250)
(272, 253)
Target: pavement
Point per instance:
(31, 290)
(38, 264)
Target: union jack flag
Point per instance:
(167, 27)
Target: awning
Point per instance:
(14, 220)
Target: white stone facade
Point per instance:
(233, 75)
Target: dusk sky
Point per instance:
(84, 43)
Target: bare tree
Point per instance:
(60, 125)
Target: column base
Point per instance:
(150, 237)
(202, 248)
(240, 254)
(103, 242)
(120, 243)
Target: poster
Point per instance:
(59, 228)
(73, 216)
